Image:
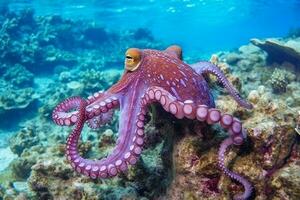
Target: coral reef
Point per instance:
(280, 79)
(18, 76)
(25, 139)
(288, 188)
(15, 98)
(42, 45)
(16, 90)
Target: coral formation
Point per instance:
(26, 138)
(16, 90)
(15, 99)
(281, 50)
(18, 76)
(41, 45)
(287, 188)
(280, 79)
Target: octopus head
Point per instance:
(133, 59)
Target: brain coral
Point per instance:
(280, 79)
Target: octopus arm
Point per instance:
(130, 141)
(209, 68)
(209, 115)
(99, 110)
(221, 157)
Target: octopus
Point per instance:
(150, 76)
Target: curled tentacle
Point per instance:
(213, 115)
(64, 113)
(128, 147)
(64, 116)
(207, 67)
(221, 157)
(115, 163)
(237, 136)
(98, 106)
(101, 105)
(188, 109)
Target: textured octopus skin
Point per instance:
(160, 77)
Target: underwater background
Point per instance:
(52, 50)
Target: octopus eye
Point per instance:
(132, 59)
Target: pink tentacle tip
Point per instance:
(248, 188)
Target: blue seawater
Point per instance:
(202, 25)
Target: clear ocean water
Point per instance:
(52, 50)
(202, 25)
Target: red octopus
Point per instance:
(150, 76)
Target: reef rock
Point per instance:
(287, 182)
(12, 99)
(280, 79)
(26, 138)
(281, 50)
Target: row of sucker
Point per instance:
(205, 114)
(63, 115)
(129, 157)
(135, 150)
(170, 103)
(100, 112)
(98, 169)
(101, 106)
(221, 162)
(92, 98)
(227, 121)
(190, 110)
(87, 167)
